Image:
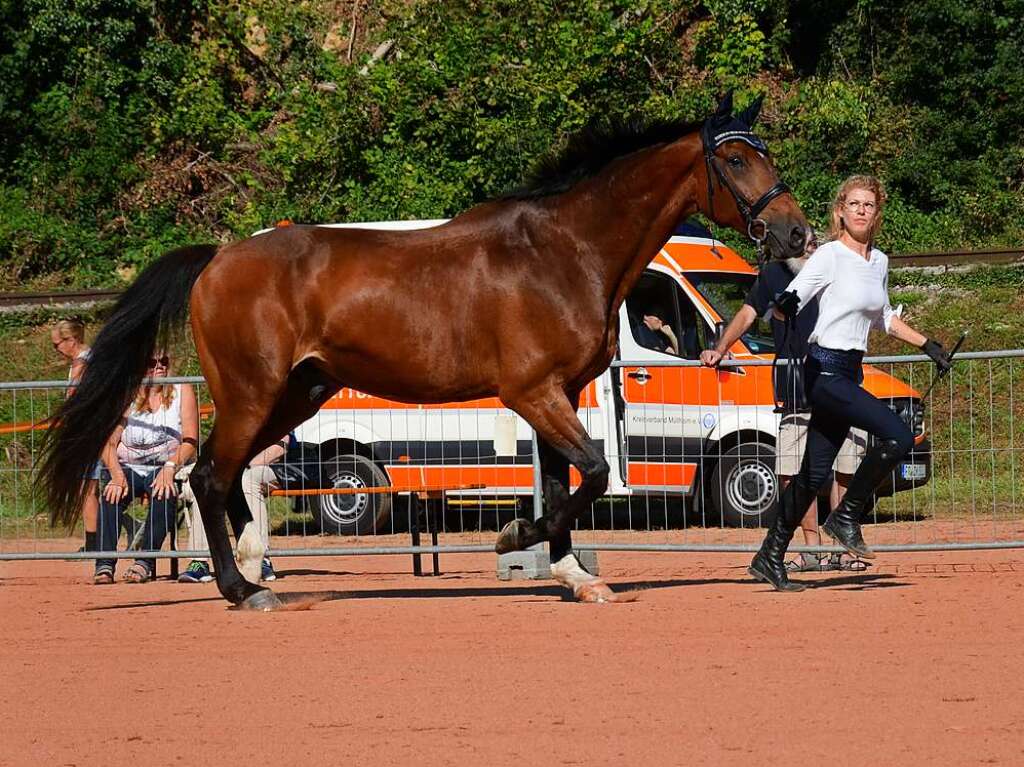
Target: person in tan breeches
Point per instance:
(258, 480)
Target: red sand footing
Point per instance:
(916, 662)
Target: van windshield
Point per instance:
(726, 294)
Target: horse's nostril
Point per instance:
(797, 237)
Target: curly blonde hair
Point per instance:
(867, 183)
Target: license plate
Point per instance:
(913, 471)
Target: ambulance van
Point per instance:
(666, 430)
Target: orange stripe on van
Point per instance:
(489, 476)
(662, 474)
(350, 399)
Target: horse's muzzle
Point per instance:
(787, 240)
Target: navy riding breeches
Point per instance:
(832, 381)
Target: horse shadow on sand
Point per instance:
(302, 600)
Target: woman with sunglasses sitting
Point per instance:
(158, 434)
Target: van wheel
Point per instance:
(359, 513)
(743, 486)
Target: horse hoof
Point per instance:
(511, 537)
(263, 601)
(598, 592)
(595, 592)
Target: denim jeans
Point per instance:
(160, 517)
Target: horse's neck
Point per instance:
(631, 208)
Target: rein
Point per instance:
(757, 228)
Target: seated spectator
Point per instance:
(282, 465)
(654, 333)
(158, 434)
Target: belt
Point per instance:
(845, 362)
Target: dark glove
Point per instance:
(938, 354)
(787, 302)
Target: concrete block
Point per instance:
(535, 565)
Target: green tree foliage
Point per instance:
(130, 127)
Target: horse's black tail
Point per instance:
(149, 313)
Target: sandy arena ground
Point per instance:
(916, 662)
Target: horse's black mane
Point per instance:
(590, 150)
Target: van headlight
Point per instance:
(911, 412)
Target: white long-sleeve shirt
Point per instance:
(853, 295)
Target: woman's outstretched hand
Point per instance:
(939, 356)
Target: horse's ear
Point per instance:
(724, 110)
(749, 115)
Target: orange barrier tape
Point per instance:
(18, 428)
(23, 426)
(377, 490)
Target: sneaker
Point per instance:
(196, 572)
(267, 571)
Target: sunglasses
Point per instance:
(161, 361)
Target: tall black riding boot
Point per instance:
(843, 524)
(768, 564)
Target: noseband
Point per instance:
(750, 211)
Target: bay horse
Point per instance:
(517, 298)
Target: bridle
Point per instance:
(757, 228)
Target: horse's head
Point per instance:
(744, 190)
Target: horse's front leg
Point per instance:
(562, 441)
(565, 566)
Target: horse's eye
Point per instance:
(735, 161)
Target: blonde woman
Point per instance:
(68, 339)
(159, 433)
(850, 278)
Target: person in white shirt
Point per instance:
(791, 400)
(850, 278)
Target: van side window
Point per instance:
(662, 318)
(727, 293)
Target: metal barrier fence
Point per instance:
(692, 452)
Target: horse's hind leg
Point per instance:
(220, 464)
(563, 441)
(305, 392)
(249, 548)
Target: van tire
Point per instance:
(357, 514)
(743, 486)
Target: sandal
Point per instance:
(103, 577)
(844, 561)
(807, 562)
(137, 573)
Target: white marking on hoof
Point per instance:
(585, 587)
(249, 553)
